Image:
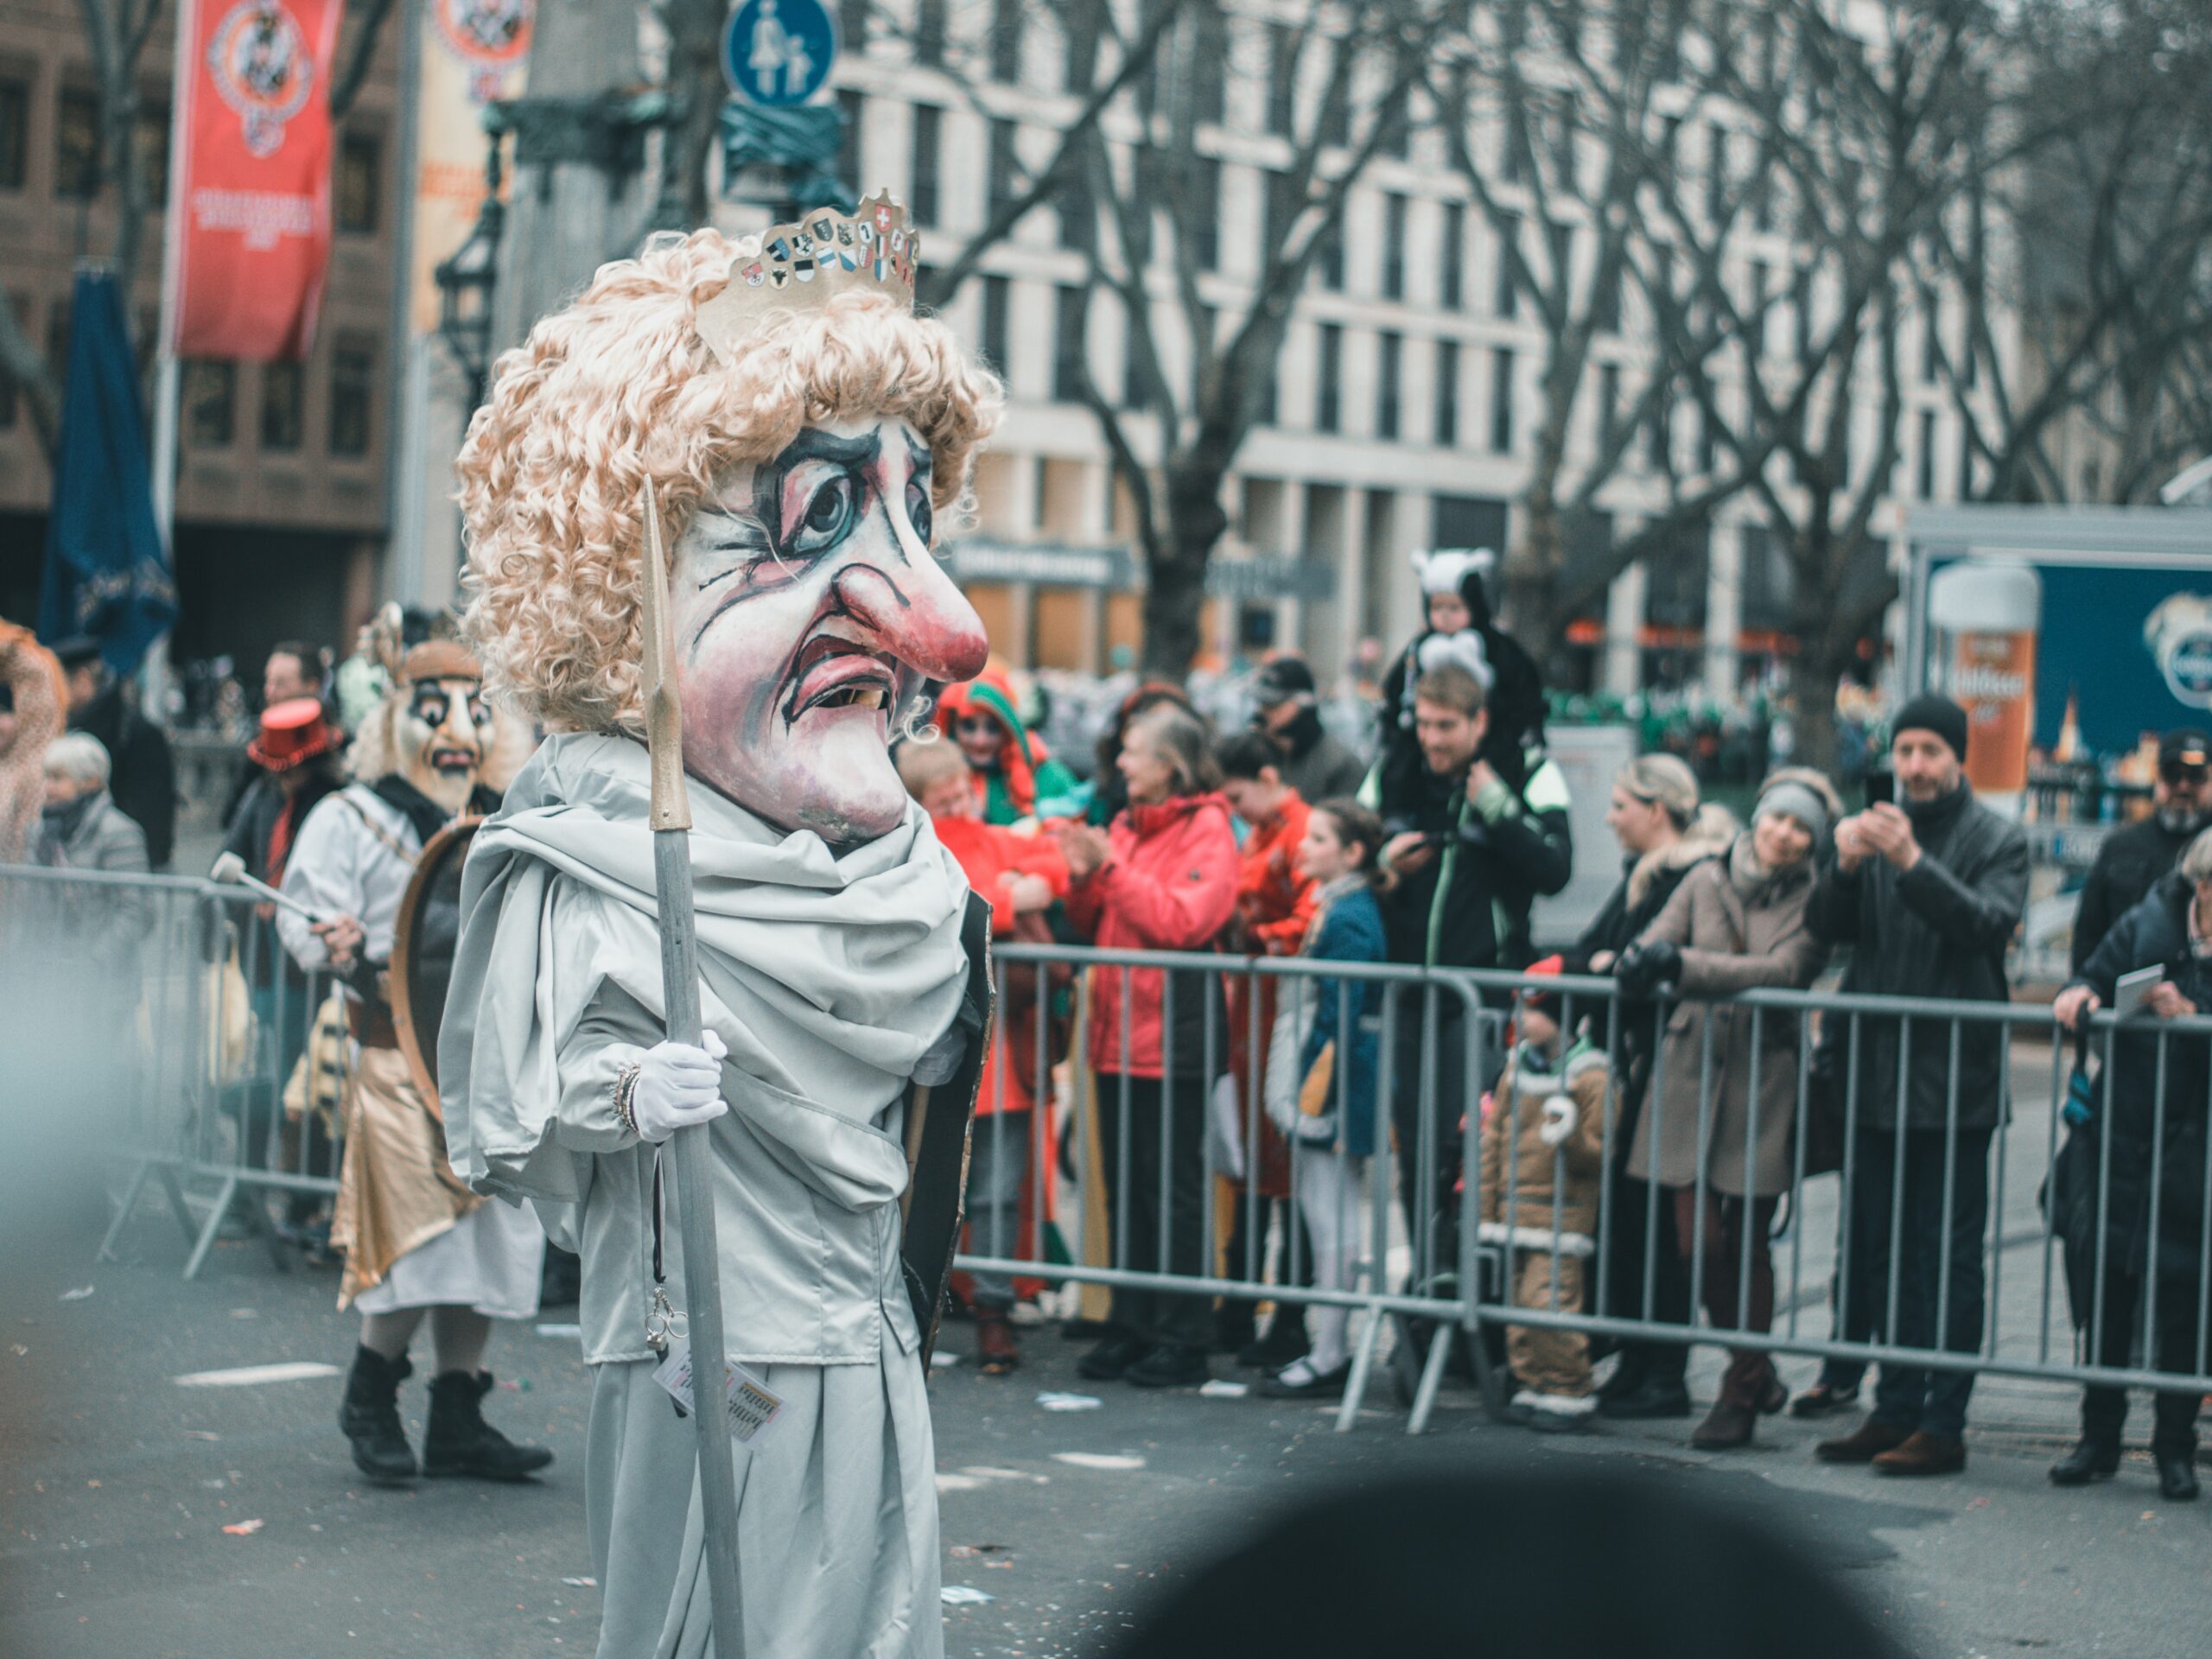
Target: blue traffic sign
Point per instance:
(779, 52)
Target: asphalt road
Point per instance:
(130, 1500)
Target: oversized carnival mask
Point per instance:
(444, 726)
(807, 608)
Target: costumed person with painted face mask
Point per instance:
(417, 1242)
(797, 438)
(1459, 633)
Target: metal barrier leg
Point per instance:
(178, 1206)
(125, 1208)
(1363, 1361)
(1432, 1379)
(206, 1242)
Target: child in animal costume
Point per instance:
(1542, 1149)
(1459, 631)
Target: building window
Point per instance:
(1068, 318)
(360, 183)
(1605, 303)
(852, 108)
(1279, 207)
(1333, 258)
(210, 392)
(77, 146)
(1448, 394)
(998, 297)
(1716, 174)
(852, 25)
(1005, 41)
(1609, 406)
(352, 385)
(1931, 340)
(1209, 84)
(929, 127)
(929, 33)
(1659, 437)
(15, 132)
(1559, 243)
(1202, 224)
(1505, 301)
(1451, 271)
(10, 402)
(1389, 350)
(1966, 462)
(1282, 87)
(1924, 484)
(1708, 438)
(1078, 215)
(282, 405)
(1394, 247)
(150, 142)
(1328, 373)
(1004, 164)
(1501, 401)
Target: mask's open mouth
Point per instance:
(453, 760)
(833, 673)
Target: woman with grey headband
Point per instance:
(1735, 923)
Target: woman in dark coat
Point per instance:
(2152, 1183)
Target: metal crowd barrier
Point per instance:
(164, 1013)
(161, 1018)
(1420, 1263)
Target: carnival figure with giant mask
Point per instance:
(800, 429)
(417, 1241)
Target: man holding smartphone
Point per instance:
(1464, 876)
(1928, 890)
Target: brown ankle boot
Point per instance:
(1923, 1455)
(1735, 1414)
(1864, 1444)
(994, 1347)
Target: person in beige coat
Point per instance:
(1723, 1142)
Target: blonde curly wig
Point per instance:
(619, 389)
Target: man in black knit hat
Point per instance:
(1928, 890)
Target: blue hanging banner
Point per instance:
(779, 52)
(107, 574)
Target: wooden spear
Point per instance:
(695, 1204)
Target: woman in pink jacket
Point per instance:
(1161, 877)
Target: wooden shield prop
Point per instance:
(422, 943)
(937, 1123)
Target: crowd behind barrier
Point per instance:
(201, 1057)
(214, 1087)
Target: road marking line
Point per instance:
(246, 1376)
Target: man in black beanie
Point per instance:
(1928, 891)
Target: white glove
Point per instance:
(677, 1086)
(1559, 1120)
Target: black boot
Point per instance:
(369, 1415)
(2177, 1474)
(2090, 1459)
(459, 1442)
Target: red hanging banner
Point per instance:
(250, 192)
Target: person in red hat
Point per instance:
(296, 758)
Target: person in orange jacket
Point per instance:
(1274, 907)
(1022, 877)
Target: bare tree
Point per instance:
(1876, 139)
(117, 33)
(1561, 119)
(1203, 348)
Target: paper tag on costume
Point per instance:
(751, 1409)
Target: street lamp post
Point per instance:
(466, 282)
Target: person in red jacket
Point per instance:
(1274, 907)
(1022, 876)
(1162, 877)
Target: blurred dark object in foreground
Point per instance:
(1567, 1565)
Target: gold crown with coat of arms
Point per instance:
(803, 265)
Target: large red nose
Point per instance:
(921, 618)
